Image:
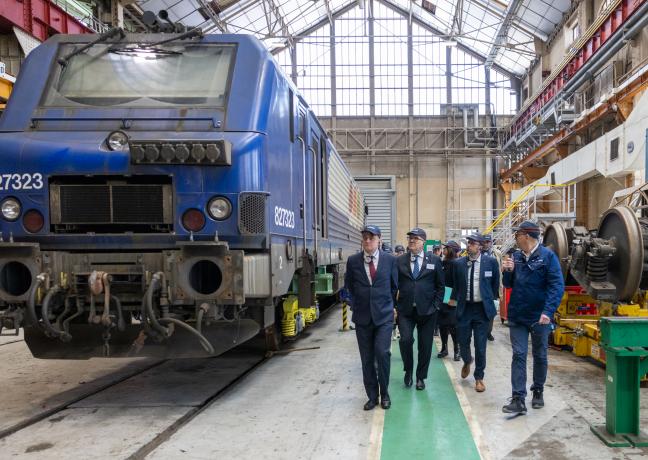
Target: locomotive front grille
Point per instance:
(84, 204)
(110, 206)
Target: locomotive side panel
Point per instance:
(183, 239)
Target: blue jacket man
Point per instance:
(537, 284)
(372, 282)
(475, 289)
(421, 289)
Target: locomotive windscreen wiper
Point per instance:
(150, 48)
(101, 38)
(195, 32)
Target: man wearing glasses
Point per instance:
(476, 279)
(489, 250)
(421, 289)
(371, 279)
(537, 281)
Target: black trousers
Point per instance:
(374, 343)
(425, 325)
(452, 332)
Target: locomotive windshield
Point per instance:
(140, 76)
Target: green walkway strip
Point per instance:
(428, 424)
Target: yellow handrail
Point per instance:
(517, 201)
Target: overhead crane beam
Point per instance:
(623, 18)
(502, 31)
(620, 102)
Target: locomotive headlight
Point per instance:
(10, 209)
(117, 140)
(219, 208)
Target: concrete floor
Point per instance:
(303, 404)
(32, 386)
(574, 399)
(308, 405)
(113, 423)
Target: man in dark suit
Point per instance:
(372, 281)
(476, 285)
(421, 289)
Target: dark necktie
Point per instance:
(471, 293)
(372, 269)
(417, 269)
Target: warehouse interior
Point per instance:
(455, 117)
(425, 95)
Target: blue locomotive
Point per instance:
(165, 195)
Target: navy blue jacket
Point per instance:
(372, 303)
(426, 291)
(489, 281)
(538, 286)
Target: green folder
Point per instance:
(446, 296)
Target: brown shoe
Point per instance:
(465, 370)
(479, 386)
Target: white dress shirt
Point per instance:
(367, 260)
(475, 281)
(420, 258)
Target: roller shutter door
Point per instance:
(380, 196)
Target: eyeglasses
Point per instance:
(414, 238)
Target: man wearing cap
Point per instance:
(537, 284)
(399, 250)
(475, 289)
(372, 280)
(436, 250)
(421, 289)
(489, 250)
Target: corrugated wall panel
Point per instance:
(379, 196)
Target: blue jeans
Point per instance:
(473, 322)
(539, 344)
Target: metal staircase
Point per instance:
(542, 203)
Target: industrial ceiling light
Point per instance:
(429, 7)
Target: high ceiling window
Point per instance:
(373, 56)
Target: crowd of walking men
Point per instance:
(420, 290)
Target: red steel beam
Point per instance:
(612, 23)
(626, 95)
(40, 18)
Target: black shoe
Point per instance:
(420, 384)
(457, 356)
(516, 406)
(490, 338)
(443, 353)
(385, 402)
(408, 379)
(538, 401)
(370, 404)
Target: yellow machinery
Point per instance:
(606, 273)
(296, 318)
(577, 322)
(6, 85)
